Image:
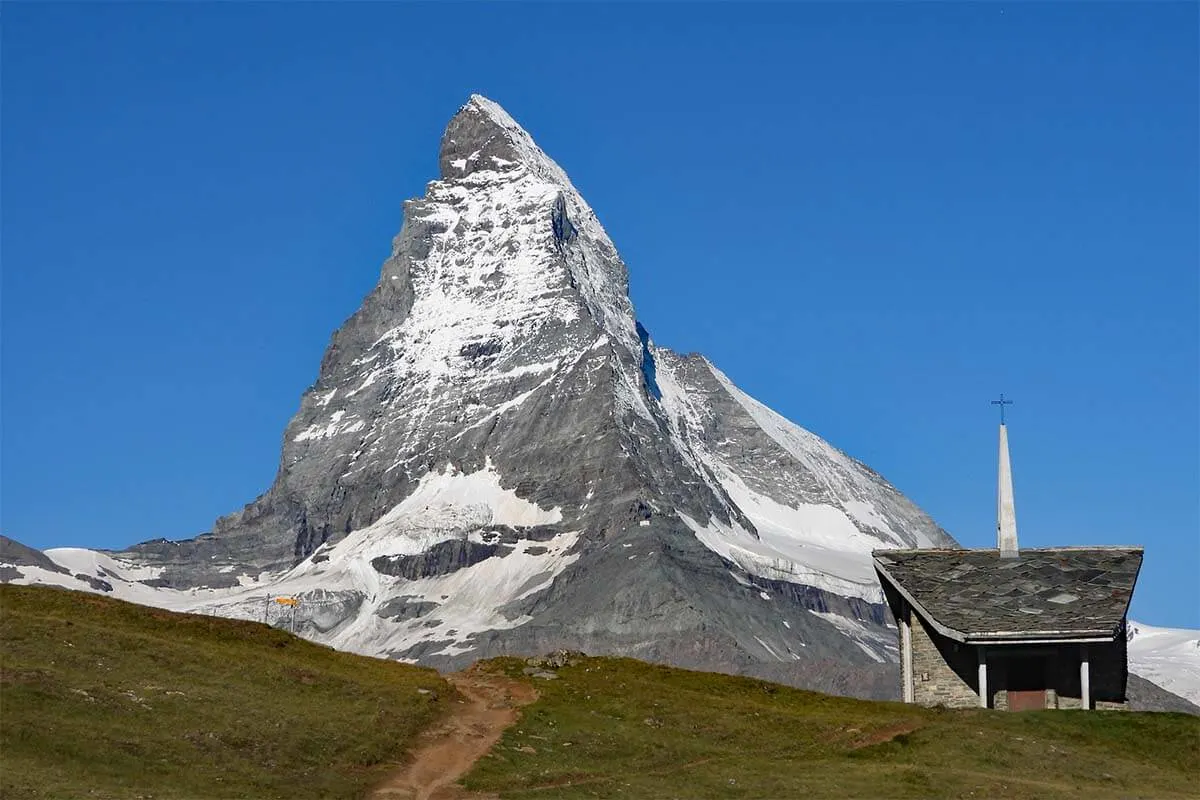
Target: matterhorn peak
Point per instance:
(496, 458)
(492, 175)
(482, 136)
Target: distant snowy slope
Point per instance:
(816, 513)
(1169, 657)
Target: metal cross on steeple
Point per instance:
(1002, 403)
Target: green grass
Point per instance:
(623, 728)
(104, 699)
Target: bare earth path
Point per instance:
(490, 703)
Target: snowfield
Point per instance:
(344, 598)
(1169, 657)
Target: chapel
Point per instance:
(1007, 628)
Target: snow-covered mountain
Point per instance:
(495, 457)
(1169, 657)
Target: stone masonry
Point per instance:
(944, 672)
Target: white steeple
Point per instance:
(1006, 511)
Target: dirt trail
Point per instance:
(490, 703)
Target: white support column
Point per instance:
(1085, 679)
(906, 654)
(983, 687)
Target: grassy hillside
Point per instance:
(622, 728)
(103, 699)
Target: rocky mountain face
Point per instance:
(496, 458)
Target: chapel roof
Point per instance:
(1059, 593)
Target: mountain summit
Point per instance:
(482, 136)
(496, 458)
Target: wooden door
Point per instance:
(1026, 699)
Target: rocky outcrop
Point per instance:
(441, 559)
(404, 608)
(1144, 695)
(14, 554)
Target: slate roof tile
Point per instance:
(1052, 592)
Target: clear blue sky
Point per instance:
(874, 218)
